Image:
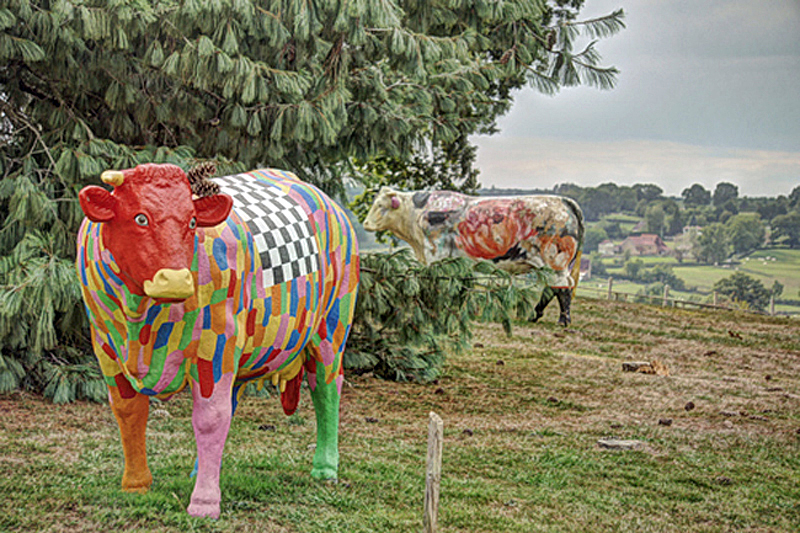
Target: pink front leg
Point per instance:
(211, 419)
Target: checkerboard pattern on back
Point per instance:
(282, 233)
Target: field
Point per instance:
(719, 435)
(767, 266)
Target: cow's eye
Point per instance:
(193, 223)
(141, 219)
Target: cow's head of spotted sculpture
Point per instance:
(150, 222)
(385, 212)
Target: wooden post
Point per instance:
(666, 296)
(772, 305)
(715, 299)
(433, 475)
(610, 284)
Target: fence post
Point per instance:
(772, 305)
(715, 299)
(610, 285)
(666, 296)
(433, 475)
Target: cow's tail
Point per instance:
(576, 267)
(576, 271)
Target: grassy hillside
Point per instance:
(767, 266)
(522, 416)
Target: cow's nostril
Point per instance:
(173, 284)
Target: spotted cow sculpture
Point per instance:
(518, 234)
(258, 283)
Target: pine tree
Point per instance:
(321, 87)
(744, 290)
(410, 316)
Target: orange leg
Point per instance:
(131, 414)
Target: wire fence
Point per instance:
(666, 301)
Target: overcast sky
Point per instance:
(709, 91)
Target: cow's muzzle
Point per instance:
(170, 284)
(370, 225)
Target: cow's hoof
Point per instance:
(138, 489)
(534, 318)
(324, 473)
(564, 322)
(203, 509)
(137, 483)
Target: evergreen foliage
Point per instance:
(724, 193)
(746, 232)
(598, 201)
(593, 236)
(660, 274)
(44, 344)
(712, 244)
(696, 195)
(410, 316)
(321, 87)
(786, 229)
(693, 208)
(744, 289)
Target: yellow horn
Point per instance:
(112, 177)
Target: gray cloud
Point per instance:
(528, 162)
(713, 75)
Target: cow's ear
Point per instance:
(420, 199)
(212, 210)
(97, 203)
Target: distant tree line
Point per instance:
(711, 225)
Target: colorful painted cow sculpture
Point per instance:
(519, 234)
(184, 290)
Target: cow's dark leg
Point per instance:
(564, 296)
(211, 419)
(547, 295)
(131, 414)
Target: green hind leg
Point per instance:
(326, 408)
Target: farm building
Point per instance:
(586, 269)
(645, 244)
(607, 248)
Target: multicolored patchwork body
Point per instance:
(274, 288)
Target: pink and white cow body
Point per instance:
(518, 234)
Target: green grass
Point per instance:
(623, 218)
(783, 266)
(522, 418)
(626, 222)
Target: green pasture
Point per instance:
(717, 433)
(623, 218)
(767, 266)
(626, 222)
(648, 260)
(598, 288)
(783, 265)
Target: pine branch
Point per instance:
(602, 78)
(602, 27)
(18, 116)
(542, 82)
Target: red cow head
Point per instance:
(150, 220)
